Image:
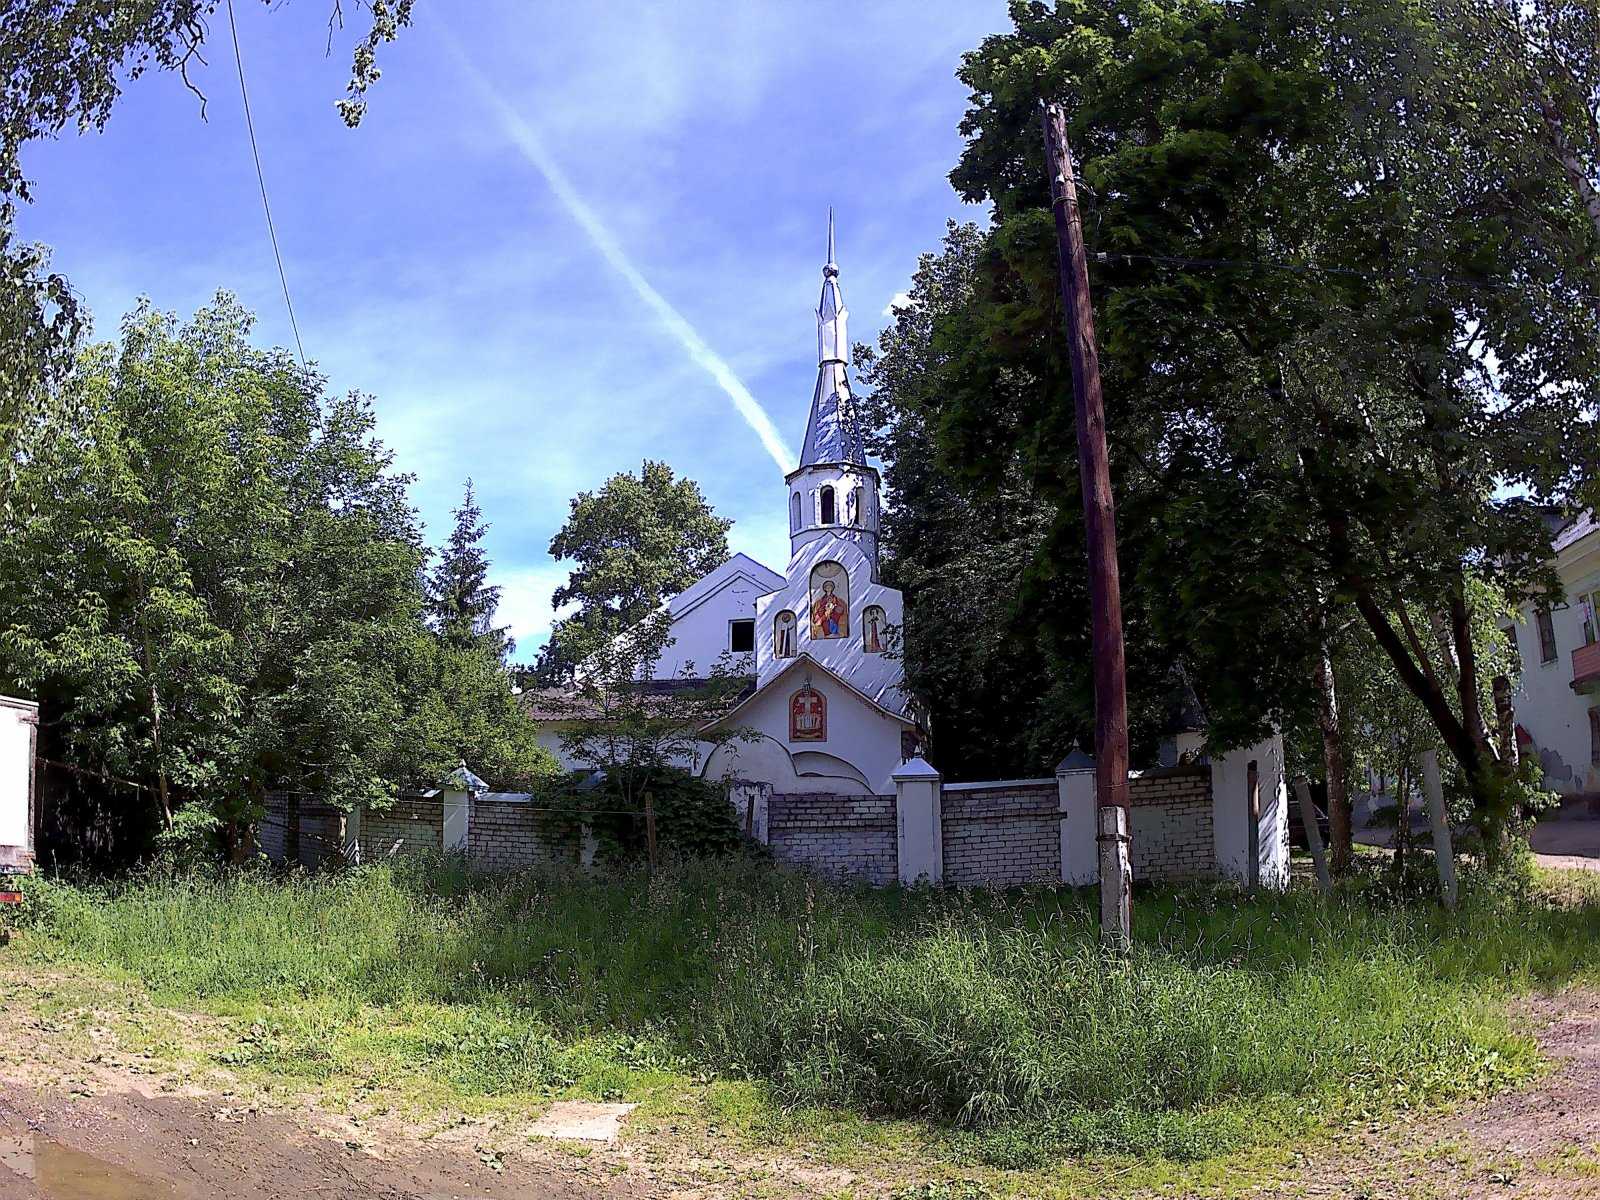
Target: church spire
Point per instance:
(832, 434)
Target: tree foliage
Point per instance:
(635, 542)
(1347, 323)
(211, 581)
(461, 600)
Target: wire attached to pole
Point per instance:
(261, 179)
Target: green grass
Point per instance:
(1235, 1022)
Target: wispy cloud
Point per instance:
(523, 135)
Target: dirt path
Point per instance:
(81, 1120)
(1538, 1143)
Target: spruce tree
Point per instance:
(461, 601)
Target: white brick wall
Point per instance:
(1171, 824)
(1004, 836)
(843, 837)
(505, 835)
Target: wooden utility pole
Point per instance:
(1105, 591)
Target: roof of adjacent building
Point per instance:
(1575, 530)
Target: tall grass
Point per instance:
(991, 1013)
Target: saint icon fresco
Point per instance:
(783, 632)
(872, 629)
(808, 716)
(830, 601)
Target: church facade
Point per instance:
(829, 712)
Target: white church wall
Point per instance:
(703, 615)
(858, 735)
(877, 675)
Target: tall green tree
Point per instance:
(211, 583)
(635, 542)
(461, 601)
(1348, 330)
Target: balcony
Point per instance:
(1586, 668)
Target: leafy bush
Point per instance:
(693, 817)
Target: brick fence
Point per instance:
(1171, 824)
(843, 837)
(1196, 821)
(1002, 834)
(504, 833)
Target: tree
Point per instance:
(66, 63)
(637, 727)
(461, 601)
(1348, 326)
(211, 582)
(637, 541)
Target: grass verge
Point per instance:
(1238, 1022)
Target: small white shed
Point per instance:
(19, 732)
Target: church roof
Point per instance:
(833, 432)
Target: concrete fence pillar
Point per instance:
(1075, 787)
(919, 823)
(1250, 815)
(456, 807)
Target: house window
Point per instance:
(825, 499)
(741, 636)
(1594, 737)
(794, 513)
(1586, 606)
(1547, 635)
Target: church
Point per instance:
(828, 712)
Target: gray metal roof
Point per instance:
(833, 431)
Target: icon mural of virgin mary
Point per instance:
(830, 601)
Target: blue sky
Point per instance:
(434, 264)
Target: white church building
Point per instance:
(828, 713)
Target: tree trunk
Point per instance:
(1341, 842)
(155, 731)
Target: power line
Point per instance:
(261, 179)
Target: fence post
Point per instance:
(919, 823)
(1308, 818)
(454, 808)
(1443, 852)
(1075, 787)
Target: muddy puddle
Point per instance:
(32, 1166)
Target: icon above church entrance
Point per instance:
(872, 629)
(808, 716)
(830, 601)
(783, 632)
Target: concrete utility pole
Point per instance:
(1105, 591)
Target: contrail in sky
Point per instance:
(527, 140)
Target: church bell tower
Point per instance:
(833, 493)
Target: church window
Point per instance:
(826, 504)
(794, 513)
(784, 628)
(741, 636)
(854, 506)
